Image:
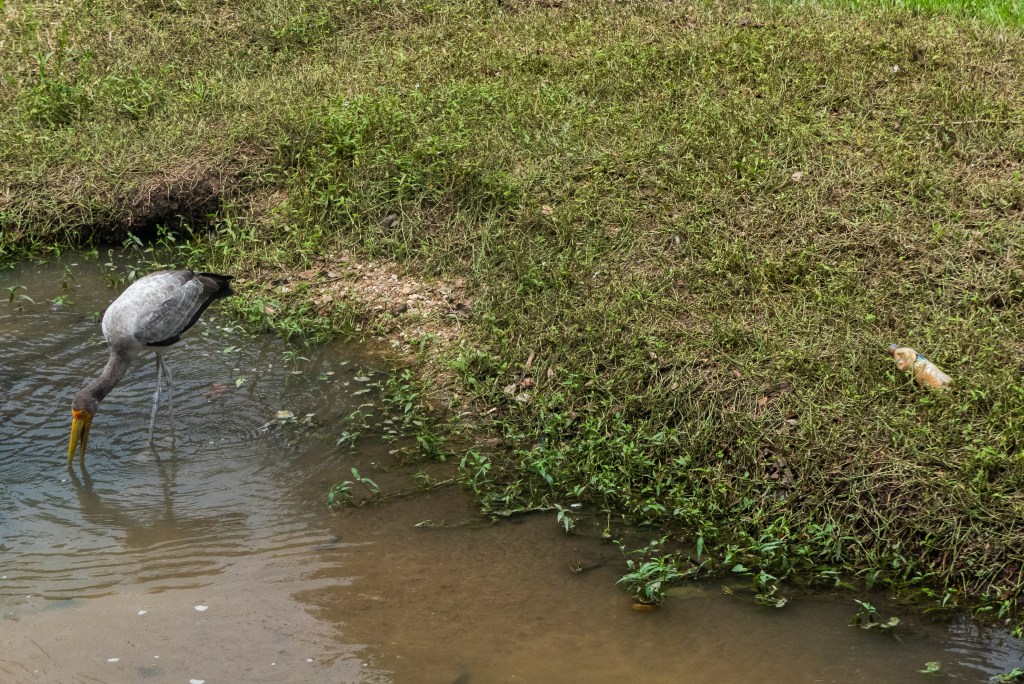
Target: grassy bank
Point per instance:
(691, 230)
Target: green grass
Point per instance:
(1008, 13)
(703, 223)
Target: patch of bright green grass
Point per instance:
(1005, 12)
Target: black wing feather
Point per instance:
(215, 286)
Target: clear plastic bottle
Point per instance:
(925, 372)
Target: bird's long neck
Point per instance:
(117, 366)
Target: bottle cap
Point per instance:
(892, 348)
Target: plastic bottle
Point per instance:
(925, 372)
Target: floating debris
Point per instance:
(113, 660)
(197, 681)
(201, 607)
(924, 371)
(285, 415)
(142, 612)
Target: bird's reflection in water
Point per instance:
(140, 529)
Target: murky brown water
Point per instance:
(231, 518)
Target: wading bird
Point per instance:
(150, 315)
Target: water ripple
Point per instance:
(226, 493)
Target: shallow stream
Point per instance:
(213, 557)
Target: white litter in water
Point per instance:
(201, 607)
(272, 664)
(142, 612)
(309, 660)
(156, 657)
(112, 660)
(197, 681)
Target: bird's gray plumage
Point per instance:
(155, 310)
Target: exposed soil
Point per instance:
(185, 196)
(403, 307)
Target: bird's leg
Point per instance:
(170, 392)
(156, 397)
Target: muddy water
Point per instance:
(212, 556)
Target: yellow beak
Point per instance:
(80, 422)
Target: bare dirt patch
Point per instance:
(402, 307)
(187, 195)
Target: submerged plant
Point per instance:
(766, 589)
(649, 577)
(340, 494)
(867, 617)
(292, 357)
(354, 424)
(565, 518)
